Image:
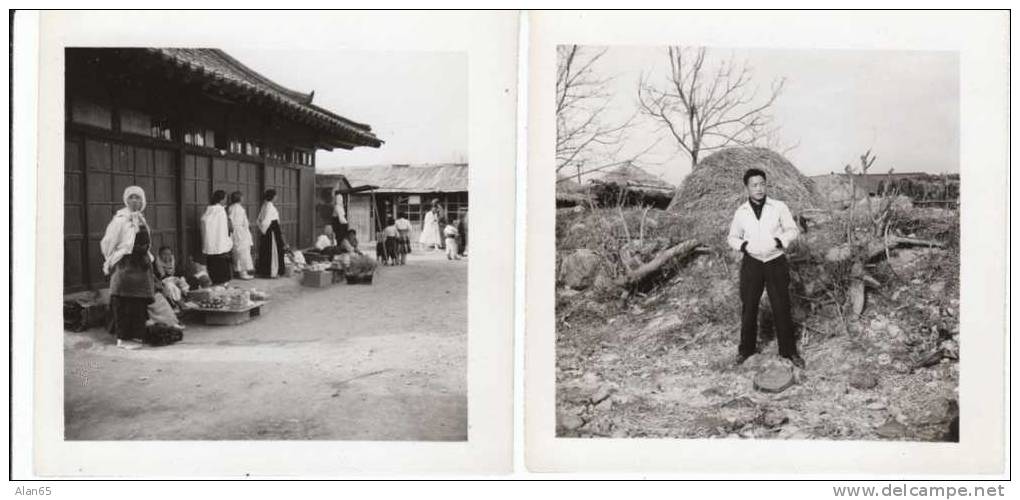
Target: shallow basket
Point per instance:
(359, 279)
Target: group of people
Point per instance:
(227, 241)
(440, 233)
(136, 277)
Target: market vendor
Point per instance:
(327, 243)
(128, 262)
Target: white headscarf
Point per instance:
(267, 215)
(119, 239)
(130, 190)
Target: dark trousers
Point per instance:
(773, 276)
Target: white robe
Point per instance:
(241, 238)
(429, 230)
(215, 233)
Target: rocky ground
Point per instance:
(385, 361)
(659, 362)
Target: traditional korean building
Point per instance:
(182, 123)
(378, 191)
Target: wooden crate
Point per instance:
(317, 279)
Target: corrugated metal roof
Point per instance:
(220, 68)
(443, 178)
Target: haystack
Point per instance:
(717, 182)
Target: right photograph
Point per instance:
(757, 243)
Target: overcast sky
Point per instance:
(836, 104)
(415, 101)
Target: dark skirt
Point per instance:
(132, 277)
(273, 239)
(218, 267)
(405, 241)
(393, 247)
(129, 316)
(339, 229)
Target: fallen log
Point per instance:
(877, 247)
(682, 249)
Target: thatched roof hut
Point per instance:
(570, 193)
(637, 186)
(717, 181)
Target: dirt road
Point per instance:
(351, 362)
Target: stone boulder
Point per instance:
(578, 270)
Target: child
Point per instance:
(380, 247)
(404, 228)
(450, 234)
(168, 282)
(391, 242)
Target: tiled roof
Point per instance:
(220, 69)
(442, 178)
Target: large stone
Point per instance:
(892, 430)
(774, 379)
(570, 422)
(863, 380)
(578, 269)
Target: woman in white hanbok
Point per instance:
(241, 236)
(430, 230)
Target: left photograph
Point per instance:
(265, 245)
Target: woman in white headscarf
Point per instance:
(241, 236)
(271, 245)
(216, 242)
(128, 262)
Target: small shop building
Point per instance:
(183, 123)
(377, 192)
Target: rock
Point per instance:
(570, 422)
(589, 379)
(605, 405)
(937, 288)
(950, 349)
(713, 392)
(603, 282)
(942, 411)
(579, 268)
(602, 394)
(774, 418)
(876, 405)
(863, 380)
(892, 430)
(774, 380)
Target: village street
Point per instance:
(385, 361)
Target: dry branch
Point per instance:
(635, 276)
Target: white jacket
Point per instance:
(761, 234)
(119, 239)
(215, 231)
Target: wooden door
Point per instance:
(76, 268)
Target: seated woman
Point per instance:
(349, 246)
(326, 243)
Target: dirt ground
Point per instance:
(385, 361)
(659, 363)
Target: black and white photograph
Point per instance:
(265, 245)
(757, 243)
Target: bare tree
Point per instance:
(705, 110)
(586, 139)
